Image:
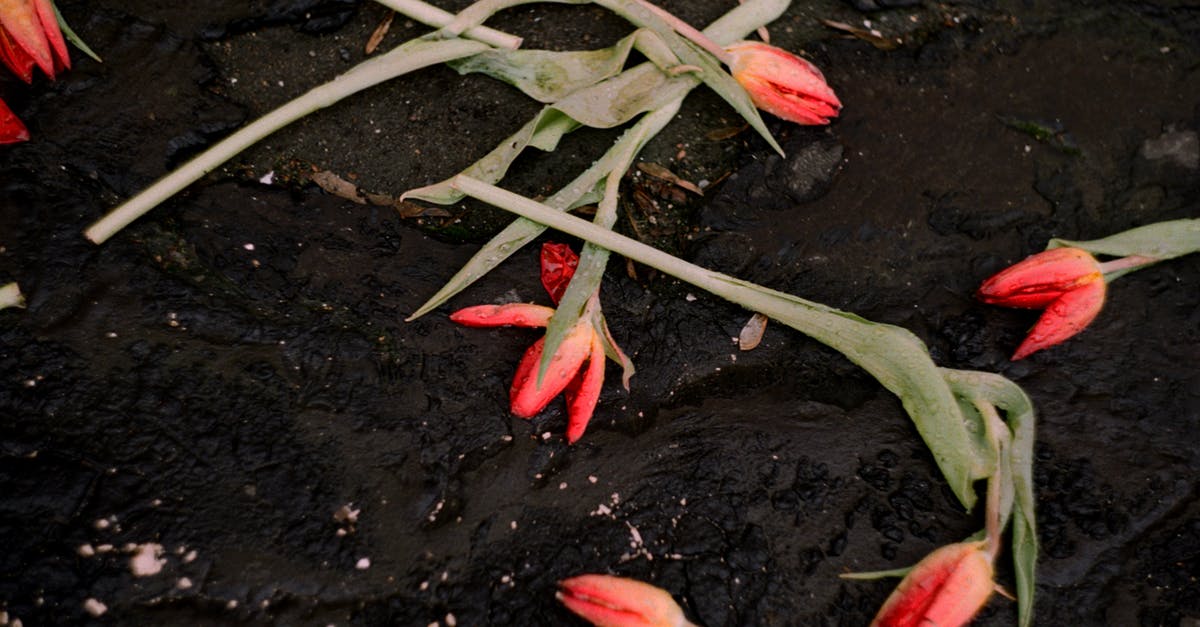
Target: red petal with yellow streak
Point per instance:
(608, 601)
(946, 589)
(1065, 317)
(515, 314)
(584, 391)
(528, 398)
(1040, 279)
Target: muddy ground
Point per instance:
(231, 378)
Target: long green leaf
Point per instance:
(1162, 241)
(734, 25)
(549, 76)
(894, 356)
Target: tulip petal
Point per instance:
(1064, 318)
(15, 58)
(1040, 279)
(11, 128)
(946, 589)
(584, 391)
(558, 266)
(608, 601)
(783, 84)
(527, 397)
(514, 314)
(49, 19)
(20, 19)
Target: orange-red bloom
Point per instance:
(608, 601)
(946, 589)
(782, 83)
(1067, 282)
(29, 35)
(577, 367)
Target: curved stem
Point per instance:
(433, 16)
(1127, 264)
(402, 60)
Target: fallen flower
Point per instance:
(608, 601)
(1067, 282)
(567, 374)
(30, 35)
(782, 83)
(946, 589)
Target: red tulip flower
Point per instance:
(946, 589)
(608, 601)
(782, 83)
(29, 36)
(577, 368)
(1067, 282)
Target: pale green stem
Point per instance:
(687, 30)
(402, 60)
(996, 484)
(754, 298)
(433, 16)
(1125, 265)
(585, 285)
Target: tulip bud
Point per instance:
(782, 83)
(1041, 279)
(946, 589)
(29, 35)
(608, 601)
(1067, 282)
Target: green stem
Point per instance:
(593, 259)
(687, 30)
(1125, 265)
(893, 355)
(404, 59)
(433, 16)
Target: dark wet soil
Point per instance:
(231, 378)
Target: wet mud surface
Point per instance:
(231, 378)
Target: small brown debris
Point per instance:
(379, 33)
(660, 172)
(873, 37)
(752, 333)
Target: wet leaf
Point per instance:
(549, 76)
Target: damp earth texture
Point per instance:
(220, 416)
